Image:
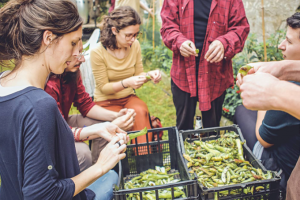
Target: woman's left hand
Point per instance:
(107, 131)
(155, 75)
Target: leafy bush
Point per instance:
(253, 52)
(160, 58)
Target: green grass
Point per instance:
(159, 100)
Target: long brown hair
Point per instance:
(23, 22)
(119, 18)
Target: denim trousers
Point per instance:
(103, 186)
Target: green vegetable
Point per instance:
(221, 162)
(245, 69)
(135, 135)
(240, 149)
(155, 177)
(197, 50)
(148, 77)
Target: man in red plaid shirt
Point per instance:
(218, 28)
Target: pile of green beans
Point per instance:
(221, 162)
(151, 177)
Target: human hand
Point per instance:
(155, 75)
(215, 52)
(258, 91)
(121, 112)
(112, 154)
(274, 68)
(135, 81)
(126, 121)
(188, 49)
(106, 130)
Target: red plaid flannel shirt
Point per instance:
(227, 23)
(67, 94)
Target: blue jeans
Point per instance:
(103, 186)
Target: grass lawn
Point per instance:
(158, 98)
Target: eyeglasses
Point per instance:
(130, 36)
(80, 55)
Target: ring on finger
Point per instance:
(118, 143)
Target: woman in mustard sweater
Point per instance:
(118, 69)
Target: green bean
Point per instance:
(240, 149)
(140, 133)
(221, 162)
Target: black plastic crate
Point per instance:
(141, 157)
(271, 191)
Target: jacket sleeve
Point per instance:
(41, 180)
(170, 31)
(238, 30)
(82, 100)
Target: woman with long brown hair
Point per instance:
(118, 69)
(37, 152)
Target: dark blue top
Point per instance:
(282, 130)
(37, 151)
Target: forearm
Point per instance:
(287, 98)
(86, 178)
(120, 85)
(290, 70)
(102, 114)
(86, 133)
(170, 31)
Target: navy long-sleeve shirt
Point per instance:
(37, 151)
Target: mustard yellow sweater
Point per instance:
(108, 69)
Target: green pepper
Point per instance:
(245, 69)
(140, 133)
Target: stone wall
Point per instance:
(276, 12)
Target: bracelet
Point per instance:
(74, 133)
(78, 134)
(123, 84)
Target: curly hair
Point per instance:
(119, 18)
(294, 21)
